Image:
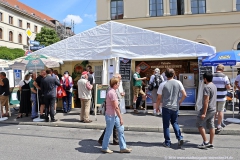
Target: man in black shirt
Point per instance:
(37, 84)
(4, 93)
(48, 87)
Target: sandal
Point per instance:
(87, 121)
(5, 115)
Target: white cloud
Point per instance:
(90, 15)
(77, 19)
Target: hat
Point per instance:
(84, 73)
(157, 70)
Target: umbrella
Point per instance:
(227, 58)
(35, 62)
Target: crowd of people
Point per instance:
(165, 96)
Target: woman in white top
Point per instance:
(154, 91)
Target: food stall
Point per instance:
(107, 42)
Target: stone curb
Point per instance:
(136, 128)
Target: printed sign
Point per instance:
(17, 75)
(204, 69)
(125, 69)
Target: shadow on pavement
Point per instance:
(69, 120)
(88, 146)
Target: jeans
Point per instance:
(167, 116)
(49, 102)
(34, 105)
(110, 122)
(67, 102)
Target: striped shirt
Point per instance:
(221, 80)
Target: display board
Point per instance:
(100, 94)
(204, 69)
(190, 100)
(125, 68)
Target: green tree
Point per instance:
(10, 54)
(47, 36)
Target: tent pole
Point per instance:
(233, 90)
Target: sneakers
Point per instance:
(180, 142)
(135, 111)
(219, 128)
(165, 145)
(127, 150)
(210, 146)
(141, 108)
(107, 151)
(42, 116)
(203, 145)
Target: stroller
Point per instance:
(230, 100)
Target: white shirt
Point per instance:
(21, 83)
(152, 78)
(120, 88)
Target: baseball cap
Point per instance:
(84, 73)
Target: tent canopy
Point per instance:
(113, 39)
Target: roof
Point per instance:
(113, 39)
(32, 11)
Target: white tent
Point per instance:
(113, 39)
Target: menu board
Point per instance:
(204, 69)
(125, 68)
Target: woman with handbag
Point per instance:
(113, 117)
(67, 84)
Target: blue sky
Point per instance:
(82, 11)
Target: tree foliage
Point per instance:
(47, 36)
(10, 54)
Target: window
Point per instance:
(238, 46)
(1, 16)
(11, 36)
(19, 38)
(1, 33)
(28, 25)
(156, 8)
(20, 23)
(116, 9)
(177, 7)
(10, 20)
(198, 6)
(35, 29)
(238, 5)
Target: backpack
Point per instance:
(157, 81)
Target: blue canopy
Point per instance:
(227, 58)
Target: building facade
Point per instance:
(15, 18)
(212, 22)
